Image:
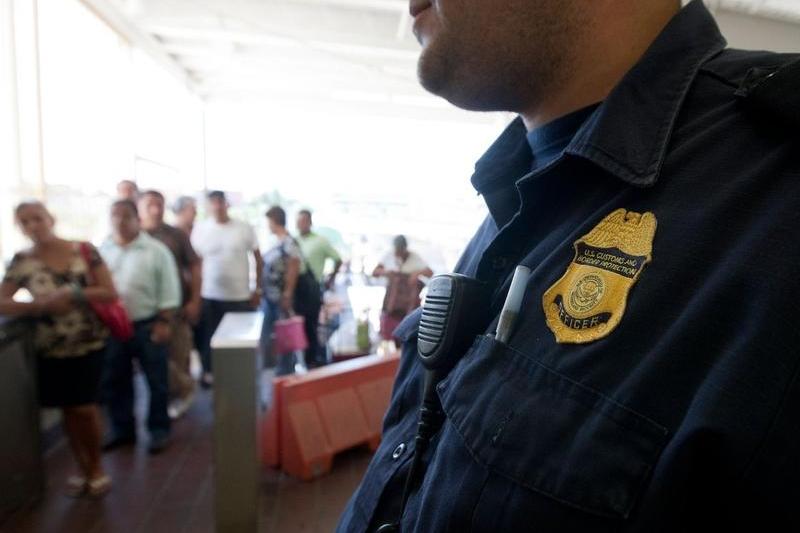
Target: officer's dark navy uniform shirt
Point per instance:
(686, 414)
(535, 150)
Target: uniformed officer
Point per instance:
(652, 186)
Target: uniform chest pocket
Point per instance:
(548, 433)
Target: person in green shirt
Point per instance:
(316, 250)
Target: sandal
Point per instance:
(98, 487)
(76, 486)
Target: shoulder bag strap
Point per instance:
(87, 258)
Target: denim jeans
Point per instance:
(118, 382)
(272, 312)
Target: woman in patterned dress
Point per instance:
(69, 338)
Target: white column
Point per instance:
(10, 157)
(21, 44)
(21, 145)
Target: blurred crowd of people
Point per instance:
(175, 282)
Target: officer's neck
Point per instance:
(605, 56)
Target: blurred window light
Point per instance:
(372, 154)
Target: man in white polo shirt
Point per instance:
(146, 278)
(225, 246)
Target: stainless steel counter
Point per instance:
(21, 471)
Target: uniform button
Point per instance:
(499, 263)
(401, 448)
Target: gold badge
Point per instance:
(588, 301)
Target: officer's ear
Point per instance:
(773, 94)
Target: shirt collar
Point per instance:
(628, 135)
(629, 132)
(505, 158)
(138, 242)
(548, 141)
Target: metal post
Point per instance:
(21, 468)
(236, 408)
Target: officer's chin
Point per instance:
(469, 98)
(438, 74)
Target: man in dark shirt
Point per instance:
(650, 184)
(151, 209)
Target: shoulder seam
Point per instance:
(719, 78)
(738, 67)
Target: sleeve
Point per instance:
(106, 252)
(188, 251)
(94, 256)
(331, 252)
(252, 238)
(169, 286)
(196, 240)
(419, 262)
(292, 249)
(388, 262)
(772, 478)
(14, 273)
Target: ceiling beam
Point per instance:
(107, 11)
(388, 48)
(391, 6)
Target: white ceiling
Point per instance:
(344, 52)
(348, 52)
(776, 9)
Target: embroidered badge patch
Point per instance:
(589, 300)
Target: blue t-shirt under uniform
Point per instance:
(543, 145)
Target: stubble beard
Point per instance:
(433, 69)
(506, 75)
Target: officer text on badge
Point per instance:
(589, 300)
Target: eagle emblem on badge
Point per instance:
(589, 300)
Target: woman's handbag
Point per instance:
(112, 314)
(290, 334)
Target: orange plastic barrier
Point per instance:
(319, 414)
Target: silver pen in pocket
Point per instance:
(511, 307)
